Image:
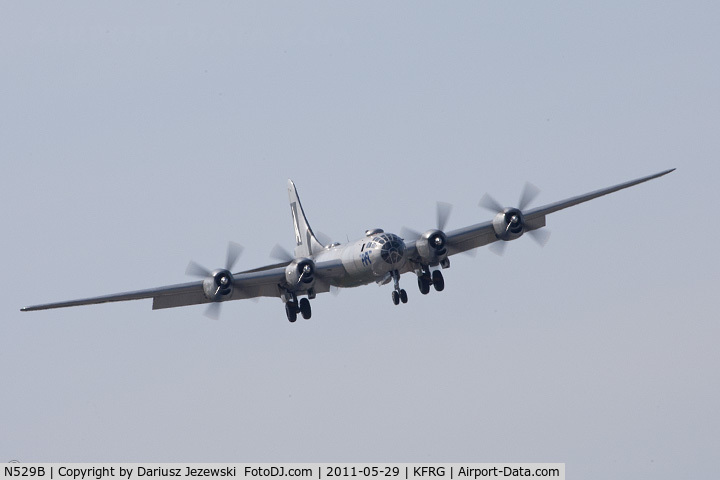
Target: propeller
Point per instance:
(306, 268)
(527, 196)
(541, 236)
(442, 210)
(529, 193)
(498, 248)
(234, 251)
(221, 279)
(280, 253)
(196, 270)
(322, 238)
(213, 311)
(408, 233)
(489, 203)
(442, 214)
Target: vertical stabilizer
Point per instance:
(306, 243)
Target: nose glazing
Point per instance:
(393, 248)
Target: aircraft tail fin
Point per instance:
(306, 243)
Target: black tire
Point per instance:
(291, 310)
(438, 281)
(395, 297)
(403, 296)
(423, 285)
(305, 309)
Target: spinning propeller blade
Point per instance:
(213, 311)
(196, 270)
(443, 210)
(541, 236)
(409, 234)
(279, 253)
(489, 203)
(498, 248)
(442, 214)
(529, 193)
(234, 251)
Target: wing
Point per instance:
(474, 236)
(184, 289)
(255, 283)
(259, 282)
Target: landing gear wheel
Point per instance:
(291, 309)
(424, 284)
(396, 297)
(403, 296)
(438, 280)
(305, 309)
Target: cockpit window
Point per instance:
(392, 247)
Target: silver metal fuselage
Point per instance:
(365, 261)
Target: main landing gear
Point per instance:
(425, 279)
(293, 307)
(398, 294)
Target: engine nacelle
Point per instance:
(509, 224)
(219, 285)
(300, 273)
(431, 246)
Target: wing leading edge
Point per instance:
(475, 236)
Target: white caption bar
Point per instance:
(268, 471)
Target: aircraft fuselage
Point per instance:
(370, 259)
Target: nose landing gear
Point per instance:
(398, 294)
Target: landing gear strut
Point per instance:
(398, 294)
(424, 282)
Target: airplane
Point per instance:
(379, 257)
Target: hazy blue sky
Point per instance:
(136, 136)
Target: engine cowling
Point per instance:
(219, 285)
(300, 273)
(431, 246)
(509, 224)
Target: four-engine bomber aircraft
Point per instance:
(379, 257)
